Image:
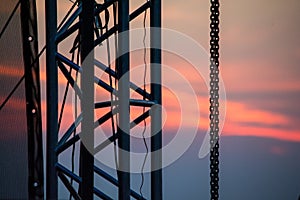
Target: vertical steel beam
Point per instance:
(33, 100)
(87, 101)
(156, 116)
(52, 98)
(124, 112)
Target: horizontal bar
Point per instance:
(132, 102)
(65, 181)
(103, 104)
(140, 102)
(111, 72)
(114, 181)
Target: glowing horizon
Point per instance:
(260, 72)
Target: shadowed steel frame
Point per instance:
(55, 60)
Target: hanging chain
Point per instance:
(214, 99)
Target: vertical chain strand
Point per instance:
(214, 100)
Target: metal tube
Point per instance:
(52, 99)
(33, 100)
(67, 144)
(132, 102)
(123, 85)
(116, 136)
(112, 180)
(67, 172)
(112, 30)
(87, 102)
(69, 21)
(139, 119)
(74, 66)
(111, 72)
(65, 181)
(101, 194)
(156, 113)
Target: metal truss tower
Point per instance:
(33, 99)
(81, 25)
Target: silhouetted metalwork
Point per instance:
(86, 165)
(214, 100)
(84, 25)
(52, 99)
(33, 99)
(84, 18)
(123, 129)
(156, 123)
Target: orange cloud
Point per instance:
(11, 71)
(238, 113)
(242, 130)
(241, 120)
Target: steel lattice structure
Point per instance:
(83, 25)
(33, 99)
(82, 20)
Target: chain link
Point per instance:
(214, 100)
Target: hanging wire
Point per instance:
(12, 92)
(64, 101)
(38, 56)
(9, 18)
(76, 115)
(22, 78)
(36, 59)
(144, 109)
(113, 124)
(115, 7)
(70, 71)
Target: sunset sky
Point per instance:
(259, 64)
(260, 54)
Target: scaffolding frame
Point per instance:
(54, 60)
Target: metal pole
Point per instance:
(52, 98)
(156, 113)
(33, 100)
(124, 112)
(87, 101)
